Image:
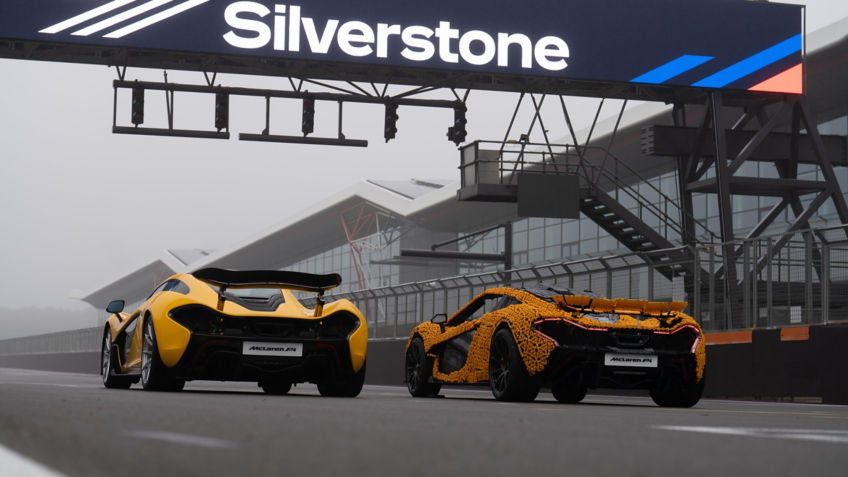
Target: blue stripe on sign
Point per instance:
(671, 69)
(752, 63)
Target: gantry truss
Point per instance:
(776, 130)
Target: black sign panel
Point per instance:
(547, 195)
(732, 44)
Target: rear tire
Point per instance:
(349, 386)
(508, 376)
(276, 388)
(419, 371)
(674, 394)
(155, 376)
(109, 365)
(568, 392)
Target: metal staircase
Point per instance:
(600, 202)
(634, 233)
(652, 227)
(620, 223)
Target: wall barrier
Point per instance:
(73, 341)
(803, 363)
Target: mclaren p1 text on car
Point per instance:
(226, 325)
(519, 340)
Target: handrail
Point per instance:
(437, 282)
(592, 174)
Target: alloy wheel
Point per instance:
(499, 365)
(106, 357)
(413, 368)
(147, 351)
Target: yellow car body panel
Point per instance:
(359, 339)
(133, 359)
(171, 338)
(116, 323)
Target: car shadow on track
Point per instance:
(227, 392)
(592, 400)
(543, 402)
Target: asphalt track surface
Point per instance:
(71, 425)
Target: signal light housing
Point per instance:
(222, 110)
(390, 128)
(308, 122)
(457, 132)
(137, 112)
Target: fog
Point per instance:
(81, 207)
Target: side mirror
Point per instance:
(115, 307)
(439, 319)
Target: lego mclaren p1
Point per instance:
(520, 340)
(227, 325)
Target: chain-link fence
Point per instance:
(791, 279)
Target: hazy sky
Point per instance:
(80, 206)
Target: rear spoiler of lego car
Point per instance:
(269, 278)
(583, 303)
(299, 281)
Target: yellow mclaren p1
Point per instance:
(519, 340)
(227, 325)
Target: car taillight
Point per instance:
(683, 338)
(562, 331)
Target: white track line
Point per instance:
(818, 435)
(184, 439)
(12, 463)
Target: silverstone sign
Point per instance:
(358, 39)
(732, 44)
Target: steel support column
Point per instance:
(725, 209)
(684, 172)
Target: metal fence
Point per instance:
(791, 279)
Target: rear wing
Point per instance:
(621, 305)
(299, 281)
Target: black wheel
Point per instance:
(349, 386)
(278, 387)
(154, 374)
(109, 365)
(508, 376)
(419, 371)
(677, 394)
(568, 391)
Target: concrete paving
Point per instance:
(72, 425)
